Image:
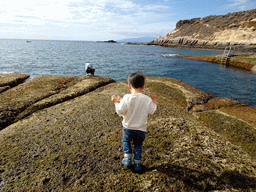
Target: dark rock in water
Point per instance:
(75, 144)
(109, 41)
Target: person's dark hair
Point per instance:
(136, 80)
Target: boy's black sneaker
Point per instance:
(137, 166)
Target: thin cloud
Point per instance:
(107, 14)
(238, 2)
(98, 19)
(41, 10)
(241, 4)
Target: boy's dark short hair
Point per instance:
(136, 80)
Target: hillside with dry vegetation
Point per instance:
(237, 29)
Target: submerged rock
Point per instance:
(76, 145)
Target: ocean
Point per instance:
(118, 60)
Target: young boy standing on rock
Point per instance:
(134, 108)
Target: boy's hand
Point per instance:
(153, 97)
(115, 99)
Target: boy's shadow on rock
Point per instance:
(199, 180)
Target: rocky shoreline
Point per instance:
(214, 32)
(243, 61)
(60, 133)
(185, 42)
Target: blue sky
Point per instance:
(99, 20)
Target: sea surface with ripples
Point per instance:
(118, 60)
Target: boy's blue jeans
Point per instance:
(137, 137)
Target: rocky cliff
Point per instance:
(214, 32)
(62, 134)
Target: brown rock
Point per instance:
(2, 89)
(42, 92)
(214, 32)
(219, 102)
(12, 79)
(75, 146)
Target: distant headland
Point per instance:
(236, 29)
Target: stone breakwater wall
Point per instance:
(62, 134)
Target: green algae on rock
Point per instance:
(48, 90)
(234, 129)
(10, 80)
(230, 118)
(76, 146)
(182, 93)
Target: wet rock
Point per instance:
(247, 62)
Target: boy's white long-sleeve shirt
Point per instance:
(135, 110)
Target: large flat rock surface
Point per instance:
(75, 145)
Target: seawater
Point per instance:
(117, 60)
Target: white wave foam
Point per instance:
(4, 73)
(169, 55)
